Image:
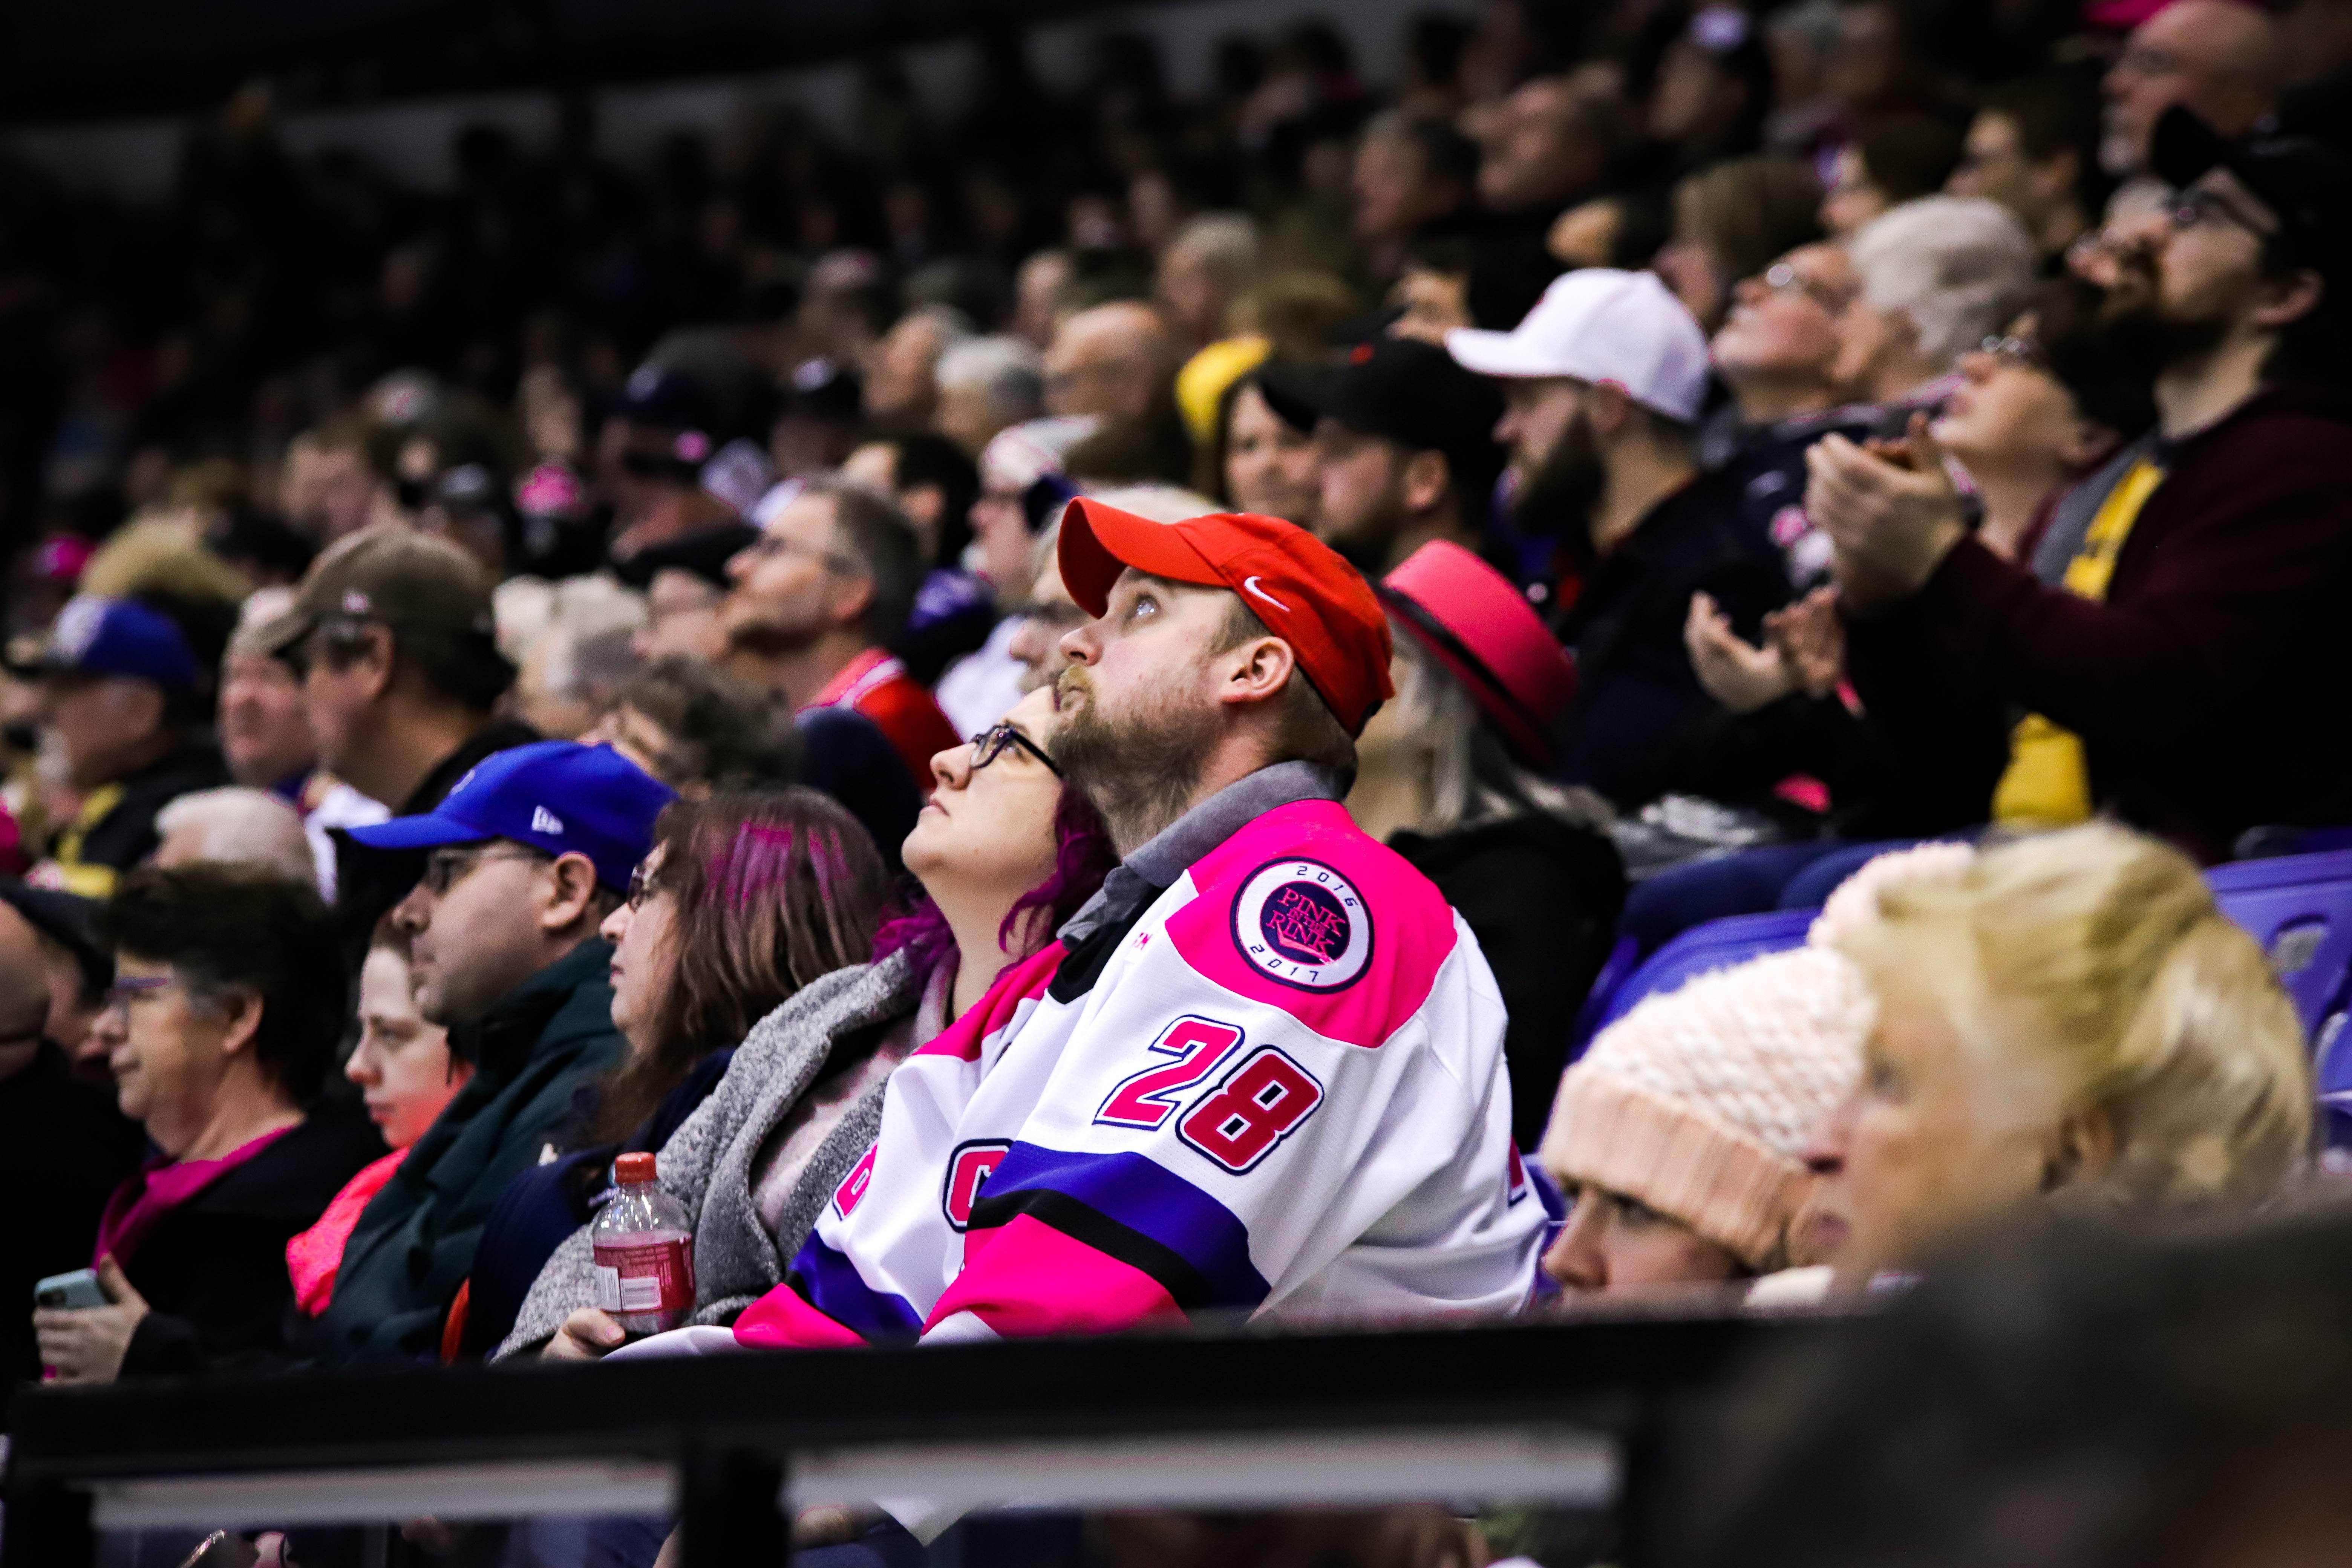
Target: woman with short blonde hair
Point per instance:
(2071, 1018)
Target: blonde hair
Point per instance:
(2095, 960)
(1472, 779)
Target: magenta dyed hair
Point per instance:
(769, 890)
(1083, 857)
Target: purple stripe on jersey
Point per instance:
(1132, 1190)
(830, 1282)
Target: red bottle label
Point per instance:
(658, 1277)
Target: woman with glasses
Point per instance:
(2037, 408)
(219, 1029)
(744, 899)
(1730, 220)
(1002, 854)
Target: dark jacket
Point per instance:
(1639, 714)
(1765, 467)
(2205, 686)
(845, 755)
(64, 1147)
(547, 1203)
(1875, 792)
(121, 832)
(1541, 897)
(213, 1269)
(416, 1243)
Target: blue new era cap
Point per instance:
(556, 795)
(122, 637)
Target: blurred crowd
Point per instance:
(570, 667)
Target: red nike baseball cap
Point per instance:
(1298, 586)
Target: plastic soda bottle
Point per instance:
(645, 1251)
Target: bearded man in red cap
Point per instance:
(1262, 1071)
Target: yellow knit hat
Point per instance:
(1200, 385)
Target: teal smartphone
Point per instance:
(69, 1291)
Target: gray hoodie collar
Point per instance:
(1170, 853)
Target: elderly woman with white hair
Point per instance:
(986, 385)
(574, 642)
(1937, 277)
(235, 823)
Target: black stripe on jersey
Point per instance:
(1081, 1222)
(1083, 965)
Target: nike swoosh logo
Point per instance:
(1249, 585)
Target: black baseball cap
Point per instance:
(1402, 390)
(705, 552)
(68, 920)
(2305, 182)
(666, 398)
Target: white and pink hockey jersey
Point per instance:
(1278, 1088)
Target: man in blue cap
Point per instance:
(527, 856)
(121, 692)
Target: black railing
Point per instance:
(1566, 1412)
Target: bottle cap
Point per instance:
(633, 1168)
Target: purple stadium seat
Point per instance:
(2299, 906)
(1718, 944)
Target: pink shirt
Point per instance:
(148, 1196)
(313, 1256)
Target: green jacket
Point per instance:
(415, 1245)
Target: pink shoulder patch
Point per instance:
(1303, 912)
(1018, 983)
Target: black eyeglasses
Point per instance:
(2198, 204)
(991, 744)
(444, 868)
(643, 885)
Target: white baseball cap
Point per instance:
(1601, 324)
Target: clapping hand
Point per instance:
(1810, 641)
(1740, 676)
(1889, 508)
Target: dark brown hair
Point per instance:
(1749, 210)
(225, 926)
(722, 731)
(1909, 155)
(772, 889)
(2110, 377)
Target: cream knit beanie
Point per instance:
(1698, 1102)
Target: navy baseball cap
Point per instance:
(555, 795)
(122, 637)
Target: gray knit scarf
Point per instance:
(709, 1163)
